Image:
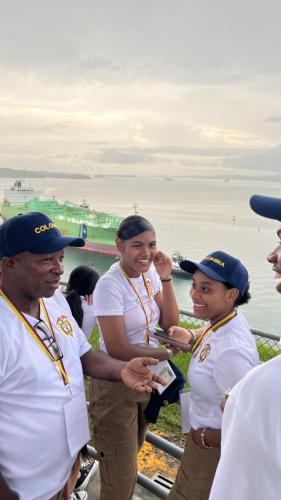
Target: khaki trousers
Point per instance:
(196, 472)
(66, 491)
(119, 431)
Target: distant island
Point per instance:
(33, 174)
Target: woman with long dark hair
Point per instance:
(79, 295)
(79, 291)
(130, 300)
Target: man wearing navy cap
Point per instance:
(250, 464)
(43, 355)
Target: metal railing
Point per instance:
(268, 344)
(144, 481)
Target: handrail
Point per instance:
(254, 331)
(142, 480)
(164, 445)
(257, 333)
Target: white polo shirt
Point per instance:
(35, 457)
(89, 318)
(221, 360)
(114, 296)
(250, 464)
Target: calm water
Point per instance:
(194, 217)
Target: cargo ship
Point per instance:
(98, 229)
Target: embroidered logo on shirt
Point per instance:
(65, 326)
(204, 353)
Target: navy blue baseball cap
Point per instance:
(33, 232)
(220, 266)
(267, 206)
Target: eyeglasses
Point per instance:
(46, 336)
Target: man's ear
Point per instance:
(8, 263)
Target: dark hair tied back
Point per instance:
(82, 281)
(133, 226)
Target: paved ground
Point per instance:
(94, 488)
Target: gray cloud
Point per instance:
(274, 119)
(135, 82)
(208, 41)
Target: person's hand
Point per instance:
(89, 299)
(163, 265)
(180, 335)
(137, 376)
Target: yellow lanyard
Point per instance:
(213, 328)
(58, 363)
(147, 287)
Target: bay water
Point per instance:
(191, 215)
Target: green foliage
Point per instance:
(266, 351)
(94, 339)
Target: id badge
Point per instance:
(76, 421)
(164, 370)
(185, 414)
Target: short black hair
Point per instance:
(133, 226)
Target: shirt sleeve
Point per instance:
(232, 366)
(108, 298)
(155, 281)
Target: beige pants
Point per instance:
(196, 472)
(66, 491)
(119, 432)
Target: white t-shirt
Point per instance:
(223, 358)
(35, 457)
(113, 296)
(250, 464)
(89, 318)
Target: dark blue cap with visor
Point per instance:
(220, 266)
(33, 232)
(267, 206)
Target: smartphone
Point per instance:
(164, 338)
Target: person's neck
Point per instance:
(23, 304)
(130, 272)
(221, 316)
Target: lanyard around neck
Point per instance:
(141, 301)
(213, 328)
(58, 363)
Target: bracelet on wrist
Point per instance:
(193, 338)
(202, 438)
(165, 280)
(170, 353)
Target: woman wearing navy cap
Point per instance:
(222, 353)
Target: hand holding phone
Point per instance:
(164, 338)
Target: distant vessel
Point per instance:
(176, 270)
(98, 229)
(168, 178)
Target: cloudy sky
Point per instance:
(138, 85)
